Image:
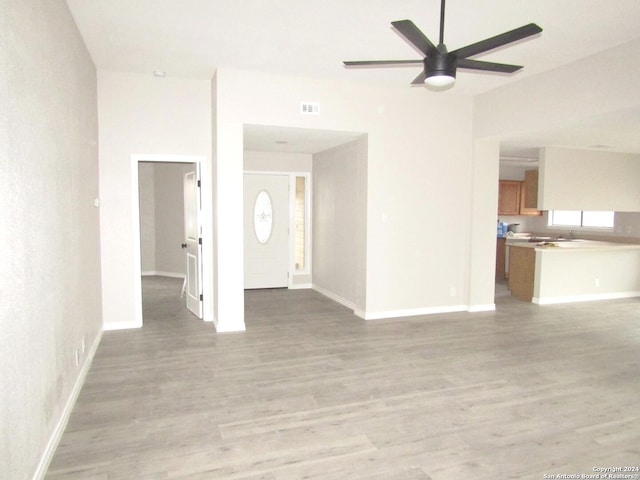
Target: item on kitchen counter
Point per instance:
(502, 229)
(546, 244)
(513, 227)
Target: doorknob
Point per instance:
(184, 245)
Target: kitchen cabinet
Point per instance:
(509, 197)
(500, 258)
(529, 189)
(513, 196)
(522, 266)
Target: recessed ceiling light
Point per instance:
(159, 73)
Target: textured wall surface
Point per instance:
(146, 194)
(50, 303)
(169, 217)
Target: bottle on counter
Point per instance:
(502, 229)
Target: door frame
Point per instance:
(205, 222)
(292, 218)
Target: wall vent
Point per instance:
(310, 108)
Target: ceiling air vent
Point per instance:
(310, 108)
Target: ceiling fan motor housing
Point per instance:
(442, 64)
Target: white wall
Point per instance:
(564, 276)
(574, 179)
(161, 195)
(169, 218)
(49, 228)
(335, 222)
(146, 189)
(595, 87)
(418, 177)
(482, 243)
(277, 162)
(140, 114)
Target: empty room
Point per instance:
(318, 288)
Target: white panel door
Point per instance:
(266, 231)
(193, 285)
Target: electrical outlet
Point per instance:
(597, 282)
(452, 291)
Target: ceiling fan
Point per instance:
(439, 64)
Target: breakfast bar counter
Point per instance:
(574, 271)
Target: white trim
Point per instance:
(412, 312)
(122, 326)
(307, 225)
(489, 307)
(334, 297)
(160, 273)
(360, 313)
(205, 213)
(301, 286)
(584, 298)
(54, 440)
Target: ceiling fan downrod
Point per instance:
(441, 42)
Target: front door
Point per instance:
(193, 245)
(266, 231)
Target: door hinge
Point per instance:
(199, 183)
(201, 297)
(200, 241)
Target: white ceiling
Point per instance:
(311, 38)
(263, 138)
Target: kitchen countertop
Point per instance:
(575, 245)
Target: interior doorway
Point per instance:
(169, 234)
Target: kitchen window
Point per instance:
(577, 218)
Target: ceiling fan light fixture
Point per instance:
(439, 80)
(440, 70)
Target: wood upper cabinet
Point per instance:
(514, 195)
(509, 197)
(529, 194)
(531, 188)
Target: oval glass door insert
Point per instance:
(263, 217)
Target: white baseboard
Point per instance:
(54, 440)
(360, 313)
(489, 307)
(121, 326)
(584, 298)
(299, 286)
(334, 297)
(412, 312)
(160, 273)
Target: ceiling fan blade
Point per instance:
(419, 80)
(365, 63)
(487, 66)
(497, 41)
(413, 34)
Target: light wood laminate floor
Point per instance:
(311, 391)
